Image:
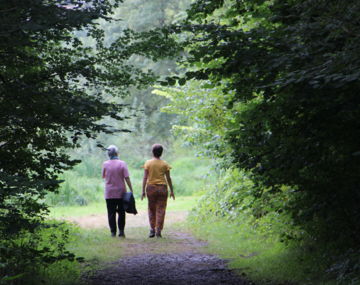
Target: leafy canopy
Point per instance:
(290, 73)
(54, 89)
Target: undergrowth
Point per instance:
(263, 243)
(264, 259)
(40, 256)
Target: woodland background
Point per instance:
(264, 92)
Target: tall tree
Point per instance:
(143, 16)
(51, 94)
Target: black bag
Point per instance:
(129, 203)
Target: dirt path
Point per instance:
(177, 258)
(132, 221)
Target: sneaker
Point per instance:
(151, 234)
(113, 234)
(158, 234)
(122, 234)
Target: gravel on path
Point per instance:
(178, 258)
(168, 269)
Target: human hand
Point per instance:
(172, 195)
(142, 196)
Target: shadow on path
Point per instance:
(175, 268)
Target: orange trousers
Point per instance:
(157, 199)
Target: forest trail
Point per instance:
(177, 258)
(132, 221)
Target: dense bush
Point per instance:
(264, 241)
(39, 257)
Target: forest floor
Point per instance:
(177, 258)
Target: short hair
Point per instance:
(157, 150)
(112, 150)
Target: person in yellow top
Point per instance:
(155, 182)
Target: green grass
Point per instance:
(98, 247)
(181, 203)
(95, 245)
(261, 258)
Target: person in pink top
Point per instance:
(115, 173)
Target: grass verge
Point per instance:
(263, 259)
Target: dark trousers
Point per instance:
(113, 206)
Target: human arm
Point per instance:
(128, 182)
(146, 174)
(169, 181)
(103, 172)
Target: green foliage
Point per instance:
(302, 131)
(190, 175)
(40, 256)
(76, 190)
(149, 19)
(264, 243)
(203, 117)
(288, 72)
(54, 90)
(263, 259)
(234, 197)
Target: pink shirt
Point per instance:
(114, 171)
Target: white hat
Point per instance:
(112, 150)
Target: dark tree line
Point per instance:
(293, 67)
(52, 93)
